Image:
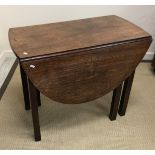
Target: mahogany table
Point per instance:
(78, 61)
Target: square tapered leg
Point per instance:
(38, 97)
(34, 105)
(115, 102)
(125, 94)
(25, 88)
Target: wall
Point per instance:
(14, 16)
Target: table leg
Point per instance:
(125, 94)
(115, 102)
(34, 105)
(25, 88)
(38, 97)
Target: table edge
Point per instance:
(81, 50)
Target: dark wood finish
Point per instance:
(125, 94)
(25, 88)
(153, 63)
(34, 106)
(8, 78)
(65, 37)
(115, 102)
(38, 97)
(78, 61)
(85, 76)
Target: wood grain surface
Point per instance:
(66, 37)
(85, 76)
(78, 61)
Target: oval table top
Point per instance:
(62, 37)
(79, 61)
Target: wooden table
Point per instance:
(78, 61)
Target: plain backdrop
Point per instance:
(14, 16)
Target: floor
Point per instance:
(83, 126)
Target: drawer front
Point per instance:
(85, 76)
